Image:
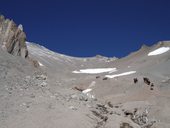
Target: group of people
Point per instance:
(146, 81)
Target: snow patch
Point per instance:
(90, 96)
(96, 70)
(159, 51)
(87, 90)
(122, 74)
(40, 64)
(87, 93)
(92, 84)
(75, 71)
(20, 27)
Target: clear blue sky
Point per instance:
(90, 27)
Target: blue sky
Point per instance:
(89, 27)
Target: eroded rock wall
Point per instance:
(12, 38)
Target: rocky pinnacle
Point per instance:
(12, 38)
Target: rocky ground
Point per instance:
(58, 91)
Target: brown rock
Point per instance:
(12, 38)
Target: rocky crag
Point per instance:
(12, 38)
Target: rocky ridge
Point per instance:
(12, 38)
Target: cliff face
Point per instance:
(12, 38)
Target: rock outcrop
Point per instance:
(12, 38)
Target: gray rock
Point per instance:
(41, 77)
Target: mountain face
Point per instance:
(12, 38)
(71, 92)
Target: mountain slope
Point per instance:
(94, 92)
(119, 89)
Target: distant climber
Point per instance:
(152, 85)
(146, 80)
(105, 78)
(135, 80)
(151, 88)
(97, 77)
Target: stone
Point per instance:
(125, 125)
(20, 27)
(43, 84)
(41, 77)
(73, 108)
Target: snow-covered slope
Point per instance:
(159, 51)
(96, 71)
